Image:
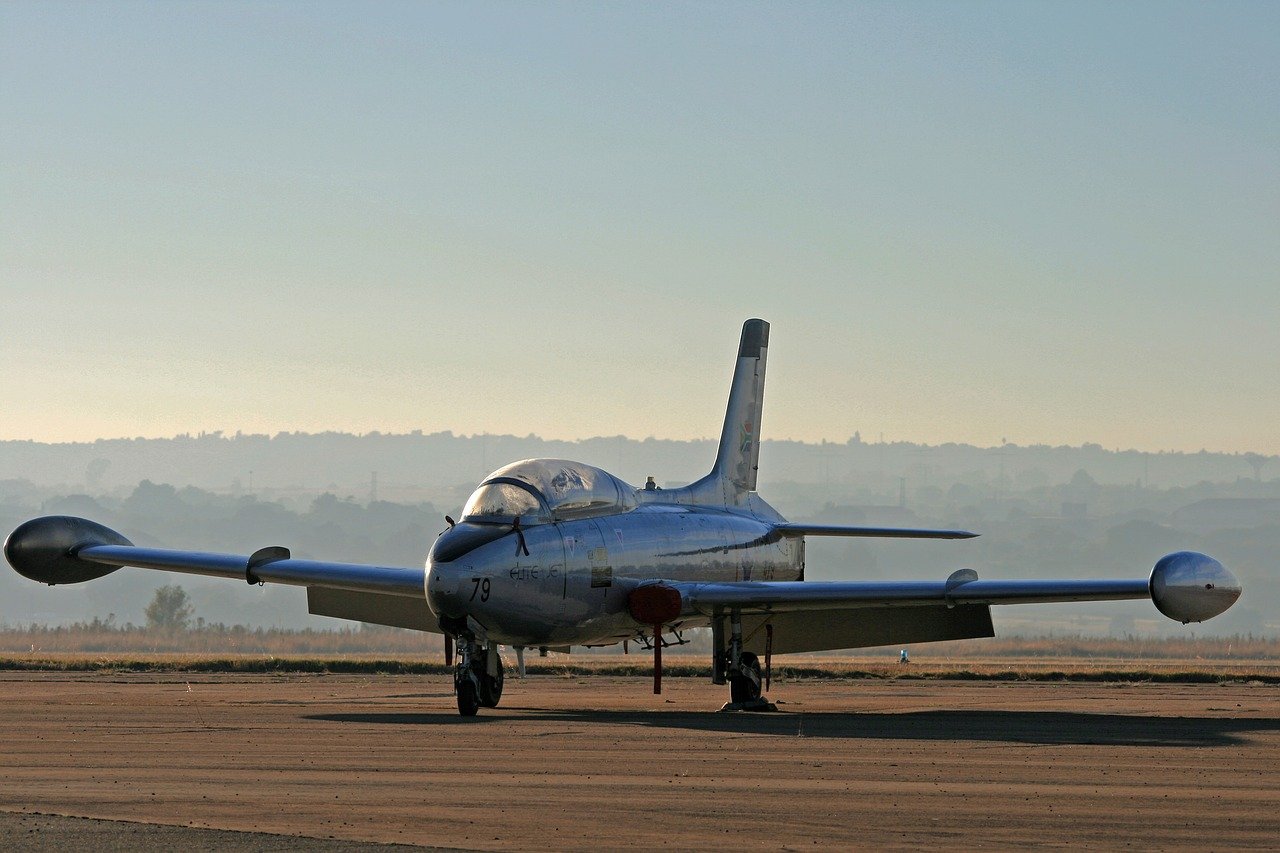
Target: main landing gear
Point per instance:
(745, 686)
(741, 669)
(477, 678)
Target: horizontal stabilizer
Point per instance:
(794, 529)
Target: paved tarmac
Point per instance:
(318, 762)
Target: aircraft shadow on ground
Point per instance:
(1031, 727)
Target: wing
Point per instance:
(814, 616)
(63, 549)
(791, 596)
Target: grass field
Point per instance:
(107, 638)
(100, 646)
(791, 667)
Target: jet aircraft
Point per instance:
(550, 553)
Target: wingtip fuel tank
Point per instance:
(44, 549)
(1191, 587)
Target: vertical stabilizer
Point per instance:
(738, 458)
(732, 481)
(739, 453)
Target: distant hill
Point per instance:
(1043, 511)
(442, 466)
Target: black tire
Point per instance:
(746, 687)
(490, 685)
(468, 701)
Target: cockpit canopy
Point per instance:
(541, 490)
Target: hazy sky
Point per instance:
(966, 221)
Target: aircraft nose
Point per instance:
(443, 598)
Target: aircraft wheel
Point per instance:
(490, 685)
(745, 687)
(468, 700)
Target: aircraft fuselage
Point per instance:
(572, 585)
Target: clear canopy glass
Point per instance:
(541, 489)
(502, 502)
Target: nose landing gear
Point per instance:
(478, 677)
(491, 679)
(467, 691)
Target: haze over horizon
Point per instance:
(1051, 224)
(709, 438)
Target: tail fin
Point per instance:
(739, 454)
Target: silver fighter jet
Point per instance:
(550, 554)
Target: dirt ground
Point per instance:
(597, 761)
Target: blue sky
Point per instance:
(966, 221)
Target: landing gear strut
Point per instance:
(478, 677)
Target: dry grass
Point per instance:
(790, 668)
(102, 646)
(107, 638)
